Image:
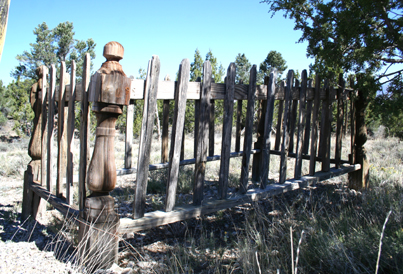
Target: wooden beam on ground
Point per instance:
(158, 218)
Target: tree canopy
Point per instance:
(274, 60)
(352, 35)
(51, 47)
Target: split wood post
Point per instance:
(340, 116)
(247, 143)
(359, 179)
(150, 104)
(196, 127)
(353, 120)
(285, 128)
(202, 142)
(70, 133)
(293, 117)
(314, 131)
(31, 202)
(238, 129)
(309, 103)
(301, 125)
(177, 133)
(227, 131)
(165, 128)
(85, 128)
(129, 134)
(62, 130)
(262, 159)
(110, 90)
(280, 96)
(211, 127)
(325, 128)
(44, 149)
(51, 123)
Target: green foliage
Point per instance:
(53, 46)
(17, 98)
(4, 109)
(242, 69)
(274, 60)
(386, 109)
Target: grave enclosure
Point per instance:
(303, 132)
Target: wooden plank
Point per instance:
(150, 104)
(44, 125)
(129, 134)
(51, 123)
(314, 131)
(61, 131)
(301, 125)
(59, 204)
(202, 142)
(340, 116)
(327, 113)
(352, 123)
(165, 128)
(238, 125)
(158, 218)
(227, 131)
(211, 127)
(177, 134)
(309, 103)
(247, 144)
(279, 119)
(84, 133)
(285, 129)
(293, 117)
(196, 129)
(70, 133)
(266, 138)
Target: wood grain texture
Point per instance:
(238, 129)
(326, 127)
(211, 127)
(301, 125)
(314, 131)
(340, 117)
(177, 134)
(51, 123)
(227, 131)
(279, 119)
(84, 133)
(202, 136)
(150, 104)
(129, 135)
(44, 140)
(247, 144)
(285, 128)
(268, 123)
(309, 104)
(61, 131)
(293, 114)
(70, 133)
(165, 128)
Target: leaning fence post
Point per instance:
(109, 91)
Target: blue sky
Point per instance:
(170, 29)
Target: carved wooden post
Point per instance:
(31, 201)
(109, 91)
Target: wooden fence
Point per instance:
(303, 129)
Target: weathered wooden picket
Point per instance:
(303, 132)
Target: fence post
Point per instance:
(109, 91)
(359, 179)
(30, 201)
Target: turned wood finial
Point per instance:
(113, 52)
